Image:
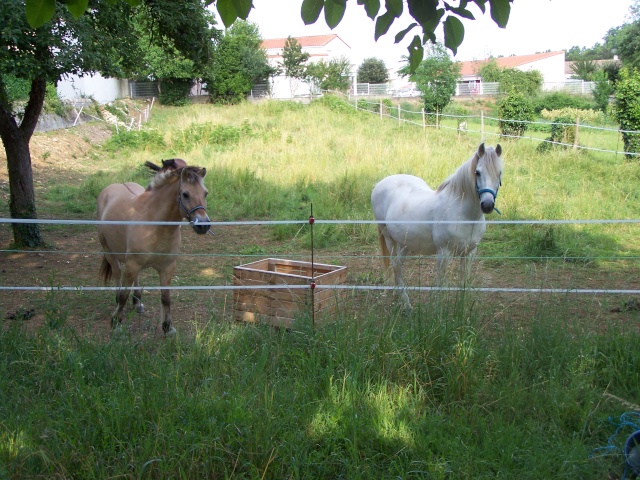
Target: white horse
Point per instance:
(401, 201)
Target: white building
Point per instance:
(550, 64)
(319, 47)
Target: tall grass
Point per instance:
(431, 395)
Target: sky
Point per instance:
(534, 26)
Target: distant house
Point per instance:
(550, 64)
(319, 47)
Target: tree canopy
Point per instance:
(101, 37)
(428, 15)
(373, 70)
(241, 63)
(436, 77)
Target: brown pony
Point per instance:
(175, 192)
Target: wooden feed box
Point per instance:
(280, 306)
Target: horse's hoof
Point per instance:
(170, 333)
(140, 308)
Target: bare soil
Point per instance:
(72, 258)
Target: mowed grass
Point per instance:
(451, 390)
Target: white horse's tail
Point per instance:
(384, 251)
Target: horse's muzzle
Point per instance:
(487, 206)
(198, 226)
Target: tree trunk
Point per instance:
(16, 139)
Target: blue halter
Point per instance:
(494, 194)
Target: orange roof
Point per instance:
(310, 41)
(472, 67)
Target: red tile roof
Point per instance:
(472, 67)
(310, 41)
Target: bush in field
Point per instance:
(559, 100)
(563, 131)
(175, 91)
(627, 109)
(515, 111)
(592, 117)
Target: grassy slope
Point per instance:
(443, 393)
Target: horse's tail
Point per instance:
(105, 270)
(384, 250)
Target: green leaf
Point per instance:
(480, 4)
(453, 33)
(462, 12)
(310, 11)
(422, 10)
(227, 12)
(401, 35)
(416, 53)
(500, 10)
(334, 11)
(395, 7)
(39, 12)
(134, 3)
(372, 7)
(383, 22)
(77, 7)
(243, 7)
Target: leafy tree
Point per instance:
(294, 63)
(627, 108)
(103, 40)
(332, 75)
(490, 71)
(436, 78)
(241, 63)
(515, 111)
(511, 79)
(602, 90)
(584, 69)
(162, 61)
(428, 16)
(373, 70)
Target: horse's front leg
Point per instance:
(443, 257)
(396, 264)
(165, 307)
(465, 266)
(137, 295)
(127, 278)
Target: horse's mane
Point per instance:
(165, 177)
(463, 179)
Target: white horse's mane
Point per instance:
(462, 181)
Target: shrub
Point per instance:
(627, 109)
(563, 131)
(515, 110)
(559, 100)
(573, 114)
(175, 91)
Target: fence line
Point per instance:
(380, 105)
(331, 287)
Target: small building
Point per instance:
(319, 47)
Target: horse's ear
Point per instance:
(167, 164)
(498, 150)
(481, 150)
(153, 166)
(202, 172)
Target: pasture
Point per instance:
(470, 384)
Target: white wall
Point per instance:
(102, 90)
(551, 68)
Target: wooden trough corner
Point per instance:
(281, 306)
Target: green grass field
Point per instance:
(456, 389)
